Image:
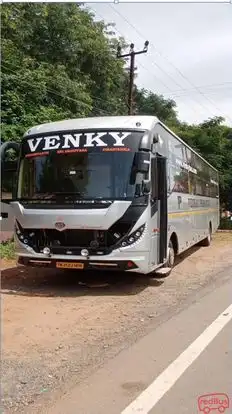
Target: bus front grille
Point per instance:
(69, 240)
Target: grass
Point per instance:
(7, 250)
(225, 224)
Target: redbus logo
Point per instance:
(215, 401)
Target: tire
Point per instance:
(170, 256)
(207, 241)
(169, 263)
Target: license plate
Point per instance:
(68, 265)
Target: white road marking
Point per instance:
(158, 388)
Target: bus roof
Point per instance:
(101, 122)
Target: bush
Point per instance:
(225, 224)
(7, 250)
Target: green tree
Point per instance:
(56, 63)
(148, 103)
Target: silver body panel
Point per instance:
(191, 224)
(139, 252)
(95, 219)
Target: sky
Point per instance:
(189, 58)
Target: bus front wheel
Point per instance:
(166, 269)
(170, 256)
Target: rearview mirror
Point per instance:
(142, 162)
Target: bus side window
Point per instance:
(192, 183)
(154, 178)
(179, 180)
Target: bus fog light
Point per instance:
(131, 239)
(84, 252)
(46, 250)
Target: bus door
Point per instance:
(159, 213)
(163, 206)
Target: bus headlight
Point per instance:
(21, 233)
(133, 237)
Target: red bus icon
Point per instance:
(215, 401)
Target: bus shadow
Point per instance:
(52, 283)
(183, 256)
(24, 281)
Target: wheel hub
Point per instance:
(171, 256)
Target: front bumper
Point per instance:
(119, 265)
(126, 259)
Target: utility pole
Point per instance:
(131, 54)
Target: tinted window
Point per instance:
(178, 180)
(87, 176)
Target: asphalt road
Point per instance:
(188, 356)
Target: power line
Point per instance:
(132, 55)
(168, 60)
(56, 93)
(48, 89)
(141, 64)
(160, 68)
(155, 77)
(176, 91)
(161, 81)
(186, 93)
(155, 64)
(209, 86)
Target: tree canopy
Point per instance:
(58, 62)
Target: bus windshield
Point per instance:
(80, 176)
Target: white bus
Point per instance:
(114, 193)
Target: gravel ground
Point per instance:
(56, 330)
